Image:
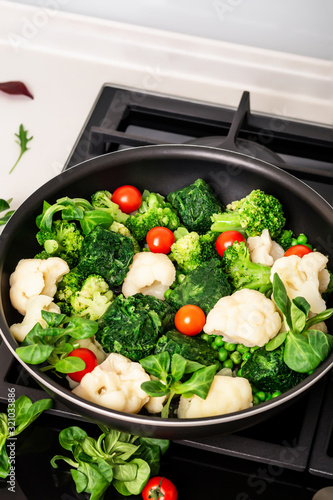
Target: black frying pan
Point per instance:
(164, 169)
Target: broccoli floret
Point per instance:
(64, 240)
(192, 249)
(92, 300)
(153, 211)
(285, 238)
(251, 215)
(120, 228)
(102, 201)
(186, 251)
(66, 289)
(242, 272)
(267, 371)
(192, 348)
(196, 204)
(106, 253)
(131, 326)
(202, 287)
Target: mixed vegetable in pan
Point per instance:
(177, 306)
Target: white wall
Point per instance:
(301, 27)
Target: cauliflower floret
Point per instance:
(304, 277)
(35, 277)
(150, 274)
(245, 317)
(116, 384)
(263, 250)
(34, 307)
(226, 395)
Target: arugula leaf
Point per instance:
(22, 141)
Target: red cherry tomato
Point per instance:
(298, 250)
(88, 357)
(226, 239)
(160, 239)
(128, 198)
(190, 320)
(159, 488)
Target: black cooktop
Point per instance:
(289, 455)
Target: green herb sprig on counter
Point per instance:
(22, 141)
(5, 205)
(54, 343)
(305, 348)
(169, 371)
(20, 414)
(116, 458)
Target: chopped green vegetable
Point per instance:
(130, 326)
(22, 141)
(251, 215)
(106, 253)
(267, 371)
(192, 348)
(202, 287)
(196, 204)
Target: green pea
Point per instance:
(246, 356)
(255, 348)
(261, 395)
(302, 239)
(205, 337)
(222, 355)
(276, 394)
(239, 373)
(236, 357)
(294, 242)
(268, 397)
(256, 400)
(229, 346)
(228, 364)
(219, 341)
(309, 246)
(242, 348)
(214, 346)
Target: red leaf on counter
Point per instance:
(15, 88)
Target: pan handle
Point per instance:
(242, 113)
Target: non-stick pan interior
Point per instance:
(163, 169)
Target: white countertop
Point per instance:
(64, 59)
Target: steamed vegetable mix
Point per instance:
(182, 298)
